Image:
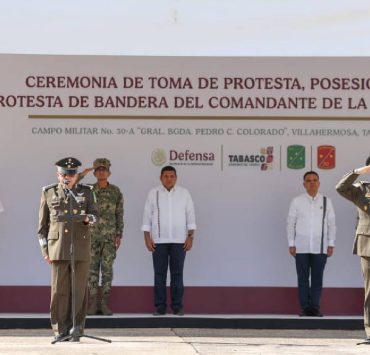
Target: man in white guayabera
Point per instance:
(168, 226)
(311, 236)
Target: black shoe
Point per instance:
(178, 312)
(316, 313)
(159, 312)
(305, 313)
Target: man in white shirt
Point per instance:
(311, 237)
(168, 225)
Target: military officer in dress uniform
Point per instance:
(54, 234)
(359, 194)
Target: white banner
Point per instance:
(240, 131)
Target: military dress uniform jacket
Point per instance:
(359, 194)
(55, 236)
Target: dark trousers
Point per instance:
(306, 264)
(172, 254)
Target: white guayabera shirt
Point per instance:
(168, 215)
(305, 224)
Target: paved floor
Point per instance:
(187, 341)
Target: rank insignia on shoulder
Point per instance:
(48, 187)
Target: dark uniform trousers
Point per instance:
(359, 194)
(60, 305)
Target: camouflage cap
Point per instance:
(68, 165)
(101, 162)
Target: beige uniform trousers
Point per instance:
(61, 300)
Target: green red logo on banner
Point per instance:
(326, 157)
(296, 156)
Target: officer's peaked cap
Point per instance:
(68, 165)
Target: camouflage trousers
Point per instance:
(103, 253)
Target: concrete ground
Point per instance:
(187, 341)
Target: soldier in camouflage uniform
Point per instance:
(106, 235)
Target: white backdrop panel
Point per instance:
(241, 210)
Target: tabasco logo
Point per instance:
(326, 157)
(296, 156)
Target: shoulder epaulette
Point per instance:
(86, 186)
(48, 187)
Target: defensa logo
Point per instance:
(262, 160)
(159, 157)
(182, 157)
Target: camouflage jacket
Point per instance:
(109, 201)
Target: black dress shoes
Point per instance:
(305, 312)
(159, 312)
(311, 312)
(316, 313)
(178, 312)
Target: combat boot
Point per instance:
(93, 305)
(106, 311)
